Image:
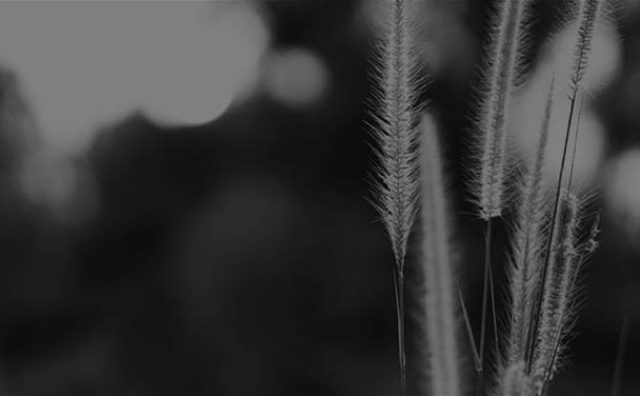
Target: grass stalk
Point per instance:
(486, 283)
(467, 323)
(395, 130)
(558, 289)
(575, 143)
(535, 323)
(588, 15)
(441, 312)
(500, 77)
(527, 245)
(398, 286)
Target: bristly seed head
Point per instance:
(528, 246)
(396, 129)
(515, 382)
(558, 290)
(588, 15)
(505, 53)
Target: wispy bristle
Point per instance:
(504, 57)
(528, 246)
(588, 15)
(440, 298)
(558, 287)
(515, 382)
(591, 244)
(396, 129)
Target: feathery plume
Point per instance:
(396, 177)
(440, 298)
(527, 245)
(515, 382)
(396, 130)
(584, 250)
(589, 12)
(558, 288)
(507, 43)
(588, 15)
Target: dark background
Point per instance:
(241, 257)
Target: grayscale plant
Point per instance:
(550, 239)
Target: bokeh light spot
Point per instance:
(623, 189)
(86, 64)
(296, 77)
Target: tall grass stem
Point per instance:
(554, 218)
(441, 312)
(396, 115)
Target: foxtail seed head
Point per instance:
(501, 73)
(396, 114)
